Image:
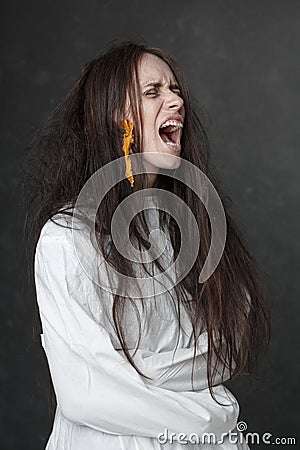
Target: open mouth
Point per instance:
(170, 133)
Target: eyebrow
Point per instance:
(158, 84)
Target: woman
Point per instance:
(134, 366)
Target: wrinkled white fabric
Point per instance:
(102, 402)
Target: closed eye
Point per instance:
(177, 91)
(151, 93)
(154, 92)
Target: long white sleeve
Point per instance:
(94, 385)
(173, 371)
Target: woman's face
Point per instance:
(162, 110)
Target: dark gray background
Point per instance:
(241, 59)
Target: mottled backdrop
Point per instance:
(242, 62)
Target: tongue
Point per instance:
(165, 137)
(168, 134)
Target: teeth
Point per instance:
(175, 123)
(172, 144)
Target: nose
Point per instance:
(174, 101)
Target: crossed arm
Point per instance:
(94, 385)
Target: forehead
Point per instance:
(152, 68)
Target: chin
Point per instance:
(163, 160)
(172, 162)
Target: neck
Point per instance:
(151, 172)
(151, 177)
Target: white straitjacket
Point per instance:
(102, 402)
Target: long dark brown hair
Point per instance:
(79, 138)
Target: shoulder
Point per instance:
(63, 230)
(67, 245)
(54, 246)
